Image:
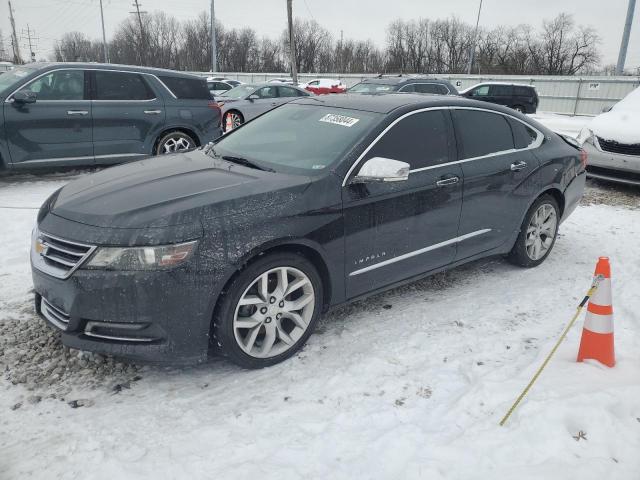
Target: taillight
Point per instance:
(583, 158)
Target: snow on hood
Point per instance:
(622, 123)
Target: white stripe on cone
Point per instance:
(603, 293)
(598, 323)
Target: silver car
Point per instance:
(247, 101)
(612, 142)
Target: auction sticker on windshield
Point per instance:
(339, 120)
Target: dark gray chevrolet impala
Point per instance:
(242, 244)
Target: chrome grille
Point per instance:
(55, 315)
(622, 148)
(58, 257)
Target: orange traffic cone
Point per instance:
(228, 126)
(597, 333)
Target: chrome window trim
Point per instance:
(532, 146)
(425, 83)
(9, 98)
(419, 252)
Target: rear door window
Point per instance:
(482, 133)
(523, 135)
(187, 88)
(267, 92)
(289, 92)
(121, 86)
(501, 90)
(434, 88)
(421, 140)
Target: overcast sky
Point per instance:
(360, 19)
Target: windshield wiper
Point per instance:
(246, 163)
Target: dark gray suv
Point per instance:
(84, 114)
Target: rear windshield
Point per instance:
(298, 139)
(188, 88)
(372, 88)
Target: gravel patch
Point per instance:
(607, 193)
(32, 355)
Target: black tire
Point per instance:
(518, 255)
(223, 338)
(181, 140)
(519, 108)
(237, 114)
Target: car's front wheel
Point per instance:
(268, 311)
(537, 234)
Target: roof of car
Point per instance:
(112, 66)
(396, 80)
(504, 83)
(387, 102)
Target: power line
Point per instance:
(31, 40)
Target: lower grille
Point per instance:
(612, 146)
(55, 315)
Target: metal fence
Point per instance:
(568, 95)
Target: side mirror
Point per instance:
(379, 169)
(253, 97)
(24, 96)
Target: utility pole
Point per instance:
(14, 38)
(622, 55)
(472, 52)
(292, 44)
(104, 37)
(214, 50)
(143, 50)
(341, 51)
(32, 54)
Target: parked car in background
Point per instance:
(91, 113)
(249, 100)
(287, 80)
(6, 66)
(219, 86)
(612, 140)
(323, 86)
(521, 97)
(241, 245)
(404, 84)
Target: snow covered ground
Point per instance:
(409, 384)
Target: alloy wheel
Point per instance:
(236, 121)
(274, 312)
(541, 231)
(176, 144)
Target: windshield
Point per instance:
(10, 79)
(299, 139)
(372, 88)
(241, 91)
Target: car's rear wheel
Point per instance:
(519, 108)
(268, 311)
(232, 119)
(173, 142)
(537, 234)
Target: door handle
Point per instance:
(517, 166)
(152, 112)
(449, 180)
(77, 112)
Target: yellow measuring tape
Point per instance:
(592, 290)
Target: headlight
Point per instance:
(586, 135)
(142, 258)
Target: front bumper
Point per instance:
(152, 317)
(612, 167)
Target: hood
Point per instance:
(620, 124)
(171, 190)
